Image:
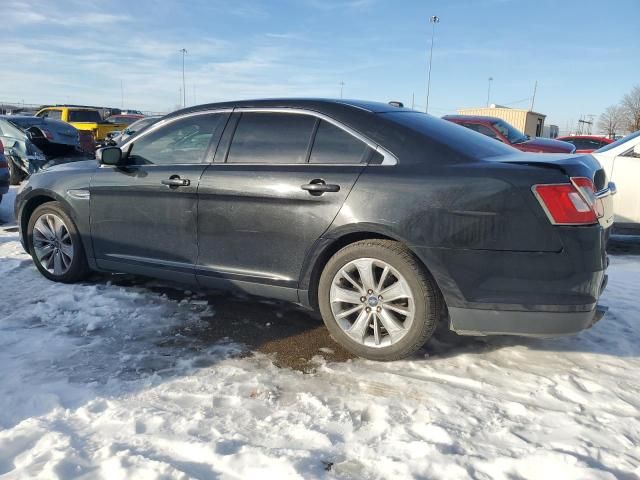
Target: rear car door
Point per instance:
(143, 215)
(278, 181)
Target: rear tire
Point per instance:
(378, 301)
(55, 244)
(15, 174)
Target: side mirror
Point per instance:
(109, 156)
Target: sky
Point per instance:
(584, 55)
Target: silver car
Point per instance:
(31, 142)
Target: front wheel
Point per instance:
(15, 174)
(377, 300)
(55, 245)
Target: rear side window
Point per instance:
(483, 129)
(334, 145)
(83, 116)
(271, 138)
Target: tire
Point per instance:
(15, 174)
(419, 299)
(41, 237)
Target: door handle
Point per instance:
(175, 181)
(318, 186)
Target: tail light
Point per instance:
(3, 160)
(572, 203)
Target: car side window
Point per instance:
(55, 115)
(271, 138)
(334, 145)
(184, 141)
(483, 129)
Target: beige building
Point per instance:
(531, 123)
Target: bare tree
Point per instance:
(611, 121)
(631, 106)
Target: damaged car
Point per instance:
(31, 142)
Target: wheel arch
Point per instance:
(326, 247)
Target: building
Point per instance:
(528, 122)
(550, 131)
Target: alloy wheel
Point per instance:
(372, 302)
(52, 244)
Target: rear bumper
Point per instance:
(466, 321)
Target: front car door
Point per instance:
(143, 215)
(278, 181)
(625, 172)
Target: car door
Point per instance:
(279, 180)
(625, 174)
(143, 215)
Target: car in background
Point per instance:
(384, 219)
(504, 132)
(586, 143)
(31, 142)
(119, 137)
(621, 162)
(4, 172)
(83, 118)
(123, 119)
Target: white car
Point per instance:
(621, 162)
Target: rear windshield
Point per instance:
(454, 136)
(618, 142)
(84, 116)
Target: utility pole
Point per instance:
(433, 20)
(184, 90)
(121, 95)
(533, 99)
(341, 88)
(489, 91)
(413, 101)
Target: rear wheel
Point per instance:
(15, 174)
(377, 301)
(55, 245)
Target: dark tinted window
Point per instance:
(483, 129)
(271, 138)
(183, 141)
(334, 145)
(446, 133)
(83, 116)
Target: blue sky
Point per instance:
(584, 54)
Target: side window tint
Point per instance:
(181, 142)
(489, 132)
(55, 115)
(271, 138)
(334, 145)
(44, 114)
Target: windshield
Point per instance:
(618, 142)
(91, 116)
(512, 134)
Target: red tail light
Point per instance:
(572, 203)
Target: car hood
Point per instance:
(549, 144)
(74, 163)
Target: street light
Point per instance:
(433, 20)
(489, 90)
(341, 88)
(184, 90)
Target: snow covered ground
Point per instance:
(103, 381)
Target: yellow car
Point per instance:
(83, 118)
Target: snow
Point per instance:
(105, 381)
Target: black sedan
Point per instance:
(385, 219)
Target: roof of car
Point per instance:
(305, 103)
(587, 137)
(481, 118)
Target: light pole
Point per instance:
(433, 20)
(184, 90)
(341, 88)
(489, 90)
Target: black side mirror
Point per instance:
(109, 156)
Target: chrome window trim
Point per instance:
(388, 158)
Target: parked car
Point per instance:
(4, 173)
(83, 118)
(30, 142)
(119, 137)
(385, 219)
(123, 119)
(621, 162)
(586, 143)
(502, 131)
